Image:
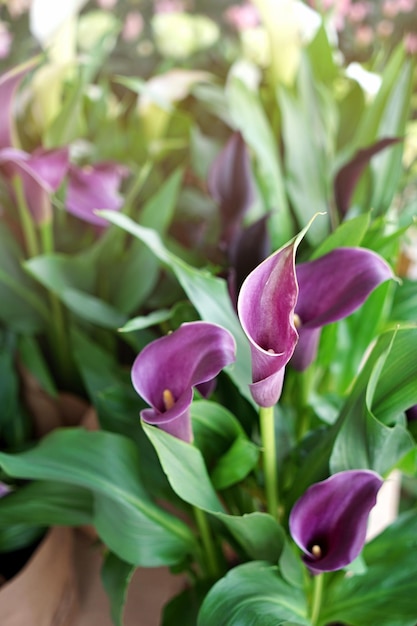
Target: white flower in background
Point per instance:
(369, 81)
(179, 35)
(48, 16)
(290, 25)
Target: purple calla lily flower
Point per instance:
(94, 187)
(230, 184)
(266, 307)
(41, 173)
(167, 369)
(329, 521)
(331, 288)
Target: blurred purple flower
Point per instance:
(167, 369)
(41, 174)
(94, 187)
(230, 184)
(329, 521)
(411, 413)
(331, 288)
(265, 307)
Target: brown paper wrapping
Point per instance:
(44, 593)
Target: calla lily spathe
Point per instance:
(166, 371)
(282, 308)
(329, 521)
(266, 306)
(331, 288)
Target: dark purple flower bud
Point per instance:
(231, 186)
(94, 187)
(265, 307)
(348, 176)
(41, 174)
(167, 369)
(331, 288)
(9, 82)
(249, 248)
(411, 413)
(329, 521)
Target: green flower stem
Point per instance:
(58, 335)
(208, 544)
(266, 418)
(318, 581)
(26, 220)
(304, 384)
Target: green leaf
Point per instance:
(72, 280)
(308, 184)
(33, 358)
(92, 308)
(208, 294)
(158, 211)
(215, 429)
(250, 118)
(22, 308)
(396, 390)
(108, 465)
(145, 321)
(385, 593)
(183, 608)
(47, 503)
(250, 594)
(116, 576)
(349, 233)
(363, 440)
(387, 167)
(258, 533)
(235, 464)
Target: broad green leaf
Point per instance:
(250, 119)
(364, 441)
(108, 465)
(387, 166)
(385, 593)
(396, 390)
(250, 594)
(18, 537)
(15, 425)
(208, 294)
(145, 321)
(22, 307)
(321, 56)
(72, 280)
(47, 503)
(235, 464)
(116, 576)
(307, 185)
(258, 533)
(348, 234)
(158, 211)
(33, 358)
(92, 308)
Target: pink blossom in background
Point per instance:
(133, 26)
(18, 7)
(242, 16)
(410, 43)
(169, 6)
(406, 6)
(385, 28)
(359, 11)
(364, 36)
(6, 39)
(390, 9)
(106, 4)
